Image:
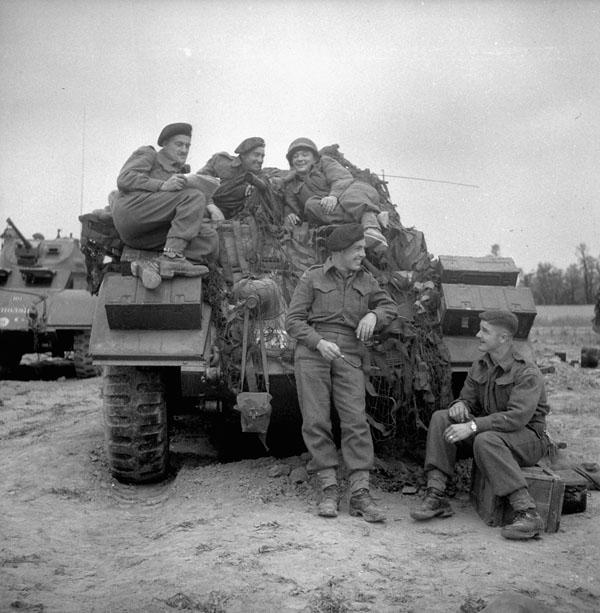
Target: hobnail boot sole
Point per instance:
(150, 278)
(169, 274)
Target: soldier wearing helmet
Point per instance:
(321, 191)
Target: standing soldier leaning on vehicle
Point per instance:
(334, 309)
(159, 206)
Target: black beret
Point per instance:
(504, 319)
(344, 236)
(173, 129)
(249, 143)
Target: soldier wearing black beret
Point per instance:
(500, 419)
(334, 309)
(239, 174)
(159, 207)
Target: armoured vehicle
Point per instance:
(44, 302)
(218, 344)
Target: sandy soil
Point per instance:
(234, 537)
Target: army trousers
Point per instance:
(175, 220)
(359, 203)
(319, 382)
(499, 455)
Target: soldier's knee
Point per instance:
(486, 440)
(440, 417)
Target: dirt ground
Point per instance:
(237, 538)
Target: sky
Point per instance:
(502, 95)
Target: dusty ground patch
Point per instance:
(228, 537)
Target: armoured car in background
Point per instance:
(44, 302)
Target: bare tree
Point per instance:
(586, 261)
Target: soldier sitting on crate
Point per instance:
(322, 192)
(335, 308)
(159, 206)
(240, 175)
(499, 419)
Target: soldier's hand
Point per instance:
(366, 327)
(173, 184)
(328, 203)
(457, 432)
(459, 412)
(293, 219)
(215, 212)
(328, 350)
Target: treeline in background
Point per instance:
(578, 284)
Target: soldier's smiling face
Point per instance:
(302, 160)
(491, 337)
(350, 259)
(178, 147)
(253, 160)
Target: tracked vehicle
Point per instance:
(199, 345)
(44, 302)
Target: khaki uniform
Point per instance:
(327, 305)
(508, 404)
(327, 177)
(147, 218)
(236, 181)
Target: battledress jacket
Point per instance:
(146, 170)
(507, 396)
(327, 177)
(325, 296)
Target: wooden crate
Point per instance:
(545, 487)
(478, 270)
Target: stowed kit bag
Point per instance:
(254, 406)
(255, 411)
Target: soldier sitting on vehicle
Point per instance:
(321, 191)
(159, 206)
(499, 419)
(240, 174)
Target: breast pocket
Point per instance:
(503, 389)
(327, 299)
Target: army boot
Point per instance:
(147, 272)
(328, 506)
(527, 524)
(435, 504)
(172, 263)
(362, 505)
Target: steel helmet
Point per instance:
(301, 143)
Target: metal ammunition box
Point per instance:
(545, 487)
(462, 304)
(174, 305)
(478, 271)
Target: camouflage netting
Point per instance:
(409, 369)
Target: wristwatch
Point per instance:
(473, 426)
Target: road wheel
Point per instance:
(82, 360)
(135, 423)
